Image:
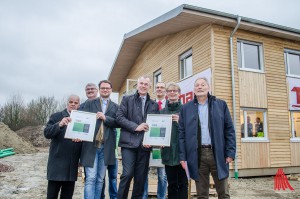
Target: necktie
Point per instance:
(159, 105)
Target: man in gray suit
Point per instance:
(93, 156)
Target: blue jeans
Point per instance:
(94, 176)
(161, 186)
(112, 175)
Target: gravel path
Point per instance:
(28, 180)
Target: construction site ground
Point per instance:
(23, 175)
(26, 178)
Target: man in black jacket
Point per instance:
(63, 153)
(131, 117)
(97, 155)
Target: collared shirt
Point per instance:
(104, 104)
(163, 105)
(203, 116)
(143, 98)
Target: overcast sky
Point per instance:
(55, 47)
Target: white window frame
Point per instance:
(255, 139)
(155, 77)
(261, 56)
(293, 138)
(183, 59)
(286, 61)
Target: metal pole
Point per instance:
(233, 90)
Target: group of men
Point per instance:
(206, 143)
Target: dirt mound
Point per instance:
(34, 135)
(9, 139)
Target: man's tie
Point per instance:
(159, 105)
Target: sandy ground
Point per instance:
(28, 180)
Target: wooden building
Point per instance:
(253, 65)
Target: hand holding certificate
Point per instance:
(82, 126)
(159, 133)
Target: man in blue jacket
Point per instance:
(131, 117)
(207, 140)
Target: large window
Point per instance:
(292, 62)
(186, 64)
(295, 123)
(250, 55)
(253, 124)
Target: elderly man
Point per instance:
(63, 153)
(131, 117)
(206, 140)
(97, 155)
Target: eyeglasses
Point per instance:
(105, 88)
(160, 87)
(172, 91)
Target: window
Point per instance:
(292, 62)
(156, 77)
(253, 124)
(186, 64)
(250, 56)
(295, 123)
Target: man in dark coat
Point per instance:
(91, 92)
(97, 155)
(207, 140)
(131, 117)
(63, 153)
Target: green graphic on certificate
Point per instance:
(156, 154)
(81, 127)
(157, 132)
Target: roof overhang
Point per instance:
(182, 18)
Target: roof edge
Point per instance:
(165, 17)
(245, 19)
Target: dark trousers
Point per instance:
(177, 182)
(135, 165)
(207, 166)
(66, 189)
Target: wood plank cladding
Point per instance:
(295, 148)
(257, 90)
(255, 155)
(268, 90)
(163, 53)
(253, 92)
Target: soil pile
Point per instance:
(9, 139)
(34, 135)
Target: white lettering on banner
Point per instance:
(294, 93)
(187, 85)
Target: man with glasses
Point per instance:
(131, 117)
(97, 155)
(160, 92)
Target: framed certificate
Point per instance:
(82, 126)
(160, 127)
